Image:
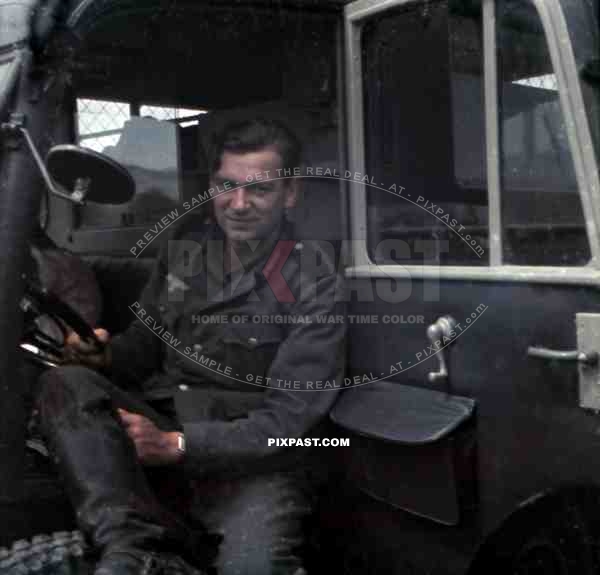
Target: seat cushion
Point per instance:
(121, 280)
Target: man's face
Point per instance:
(252, 210)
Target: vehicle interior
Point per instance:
(158, 121)
(149, 86)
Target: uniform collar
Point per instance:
(247, 278)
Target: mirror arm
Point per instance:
(78, 195)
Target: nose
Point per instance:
(240, 199)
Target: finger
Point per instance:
(76, 356)
(141, 420)
(128, 414)
(131, 418)
(144, 452)
(102, 334)
(135, 433)
(126, 417)
(72, 340)
(69, 353)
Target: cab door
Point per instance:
(475, 265)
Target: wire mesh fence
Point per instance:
(100, 122)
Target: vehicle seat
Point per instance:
(121, 280)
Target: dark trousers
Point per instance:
(260, 516)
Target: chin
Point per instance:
(237, 235)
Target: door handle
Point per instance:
(443, 328)
(586, 358)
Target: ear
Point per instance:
(291, 194)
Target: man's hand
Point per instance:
(78, 351)
(153, 446)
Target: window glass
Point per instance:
(184, 116)
(542, 216)
(424, 132)
(158, 146)
(100, 122)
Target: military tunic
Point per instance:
(246, 356)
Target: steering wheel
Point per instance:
(47, 322)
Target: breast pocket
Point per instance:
(250, 349)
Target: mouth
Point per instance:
(241, 221)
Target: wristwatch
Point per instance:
(181, 443)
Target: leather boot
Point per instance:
(116, 509)
(120, 563)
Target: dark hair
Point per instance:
(253, 135)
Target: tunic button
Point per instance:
(252, 341)
(299, 246)
(162, 308)
(198, 347)
(183, 387)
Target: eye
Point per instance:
(261, 189)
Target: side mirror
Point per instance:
(78, 174)
(89, 176)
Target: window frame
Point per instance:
(578, 134)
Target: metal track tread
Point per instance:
(63, 553)
(43, 555)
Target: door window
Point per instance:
(424, 132)
(425, 146)
(542, 216)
